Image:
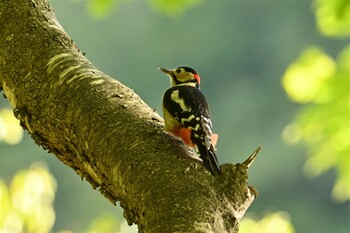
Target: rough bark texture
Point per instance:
(106, 133)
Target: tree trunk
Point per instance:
(106, 133)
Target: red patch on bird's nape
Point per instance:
(197, 78)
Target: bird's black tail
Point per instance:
(209, 159)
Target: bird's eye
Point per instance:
(178, 70)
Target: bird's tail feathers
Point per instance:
(209, 159)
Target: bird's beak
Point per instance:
(166, 71)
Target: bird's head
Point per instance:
(182, 76)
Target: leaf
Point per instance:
(10, 130)
(173, 7)
(333, 17)
(278, 222)
(323, 124)
(305, 79)
(101, 8)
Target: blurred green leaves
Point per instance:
(101, 8)
(322, 83)
(104, 223)
(10, 130)
(109, 223)
(26, 205)
(333, 17)
(304, 80)
(172, 8)
(278, 222)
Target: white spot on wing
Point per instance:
(187, 119)
(175, 97)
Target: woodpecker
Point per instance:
(186, 115)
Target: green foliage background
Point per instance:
(241, 49)
(321, 83)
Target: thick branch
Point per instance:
(106, 133)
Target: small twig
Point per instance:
(252, 157)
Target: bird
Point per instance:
(186, 115)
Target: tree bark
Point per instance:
(106, 133)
